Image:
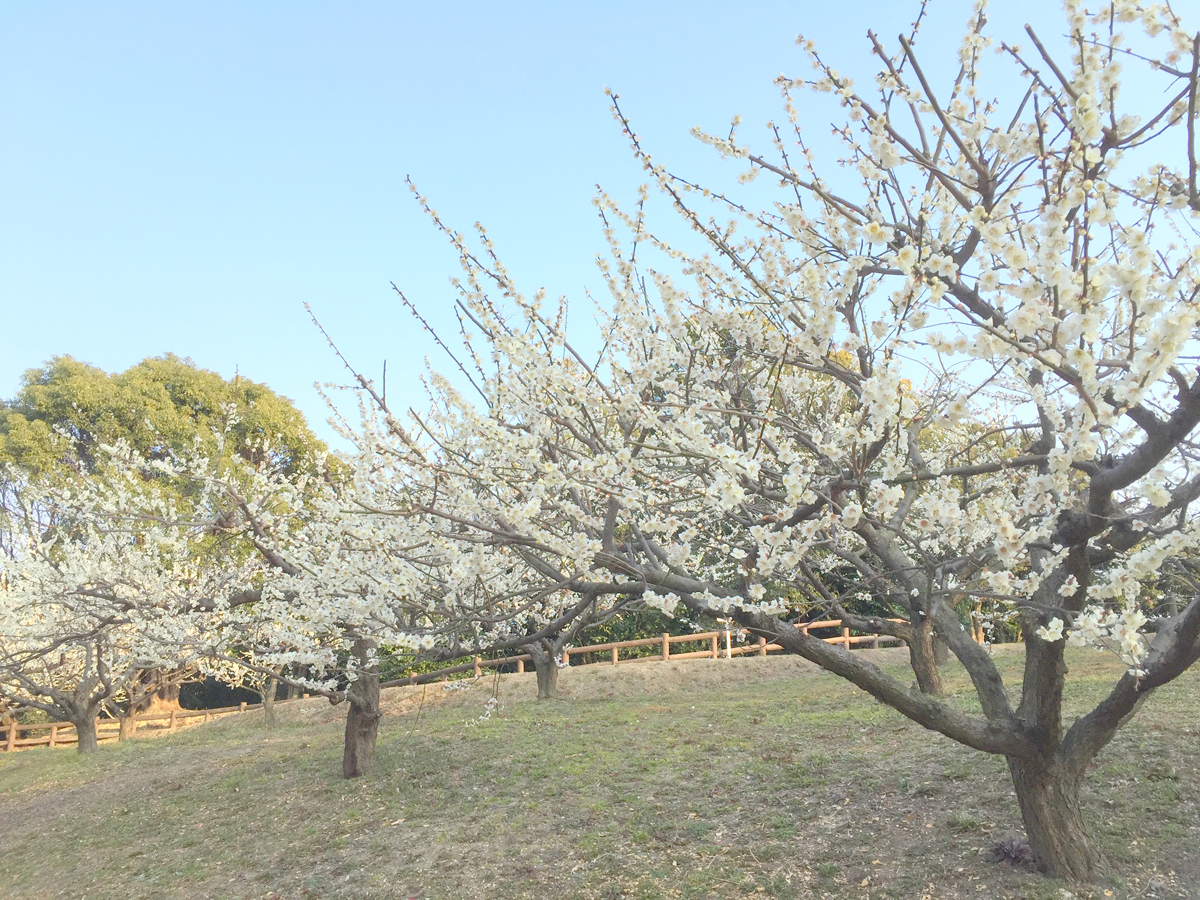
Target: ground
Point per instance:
(693, 779)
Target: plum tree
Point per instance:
(996, 298)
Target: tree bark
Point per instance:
(293, 691)
(1049, 800)
(362, 720)
(923, 657)
(941, 651)
(85, 728)
(166, 698)
(547, 671)
(362, 729)
(268, 702)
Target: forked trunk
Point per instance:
(547, 671)
(923, 657)
(1049, 800)
(362, 720)
(85, 728)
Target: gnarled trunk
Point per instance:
(1049, 799)
(128, 725)
(153, 692)
(547, 670)
(85, 728)
(922, 655)
(362, 729)
(166, 698)
(362, 720)
(268, 702)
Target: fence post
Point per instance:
(715, 651)
(11, 743)
(53, 734)
(846, 636)
(615, 651)
(728, 645)
(520, 667)
(762, 646)
(666, 646)
(242, 706)
(566, 657)
(172, 724)
(478, 670)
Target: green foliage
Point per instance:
(65, 410)
(53, 431)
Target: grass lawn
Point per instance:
(698, 779)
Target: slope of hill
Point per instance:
(711, 778)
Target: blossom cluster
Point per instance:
(945, 378)
(1100, 628)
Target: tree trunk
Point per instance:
(547, 671)
(292, 691)
(154, 692)
(362, 728)
(362, 721)
(941, 651)
(126, 726)
(1049, 800)
(166, 698)
(268, 702)
(923, 657)
(85, 728)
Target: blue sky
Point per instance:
(183, 177)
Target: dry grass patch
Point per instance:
(699, 779)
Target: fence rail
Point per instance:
(20, 736)
(62, 734)
(711, 638)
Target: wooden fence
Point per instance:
(712, 640)
(62, 734)
(18, 736)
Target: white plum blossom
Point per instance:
(958, 381)
(1052, 631)
(666, 603)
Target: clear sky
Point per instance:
(183, 177)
